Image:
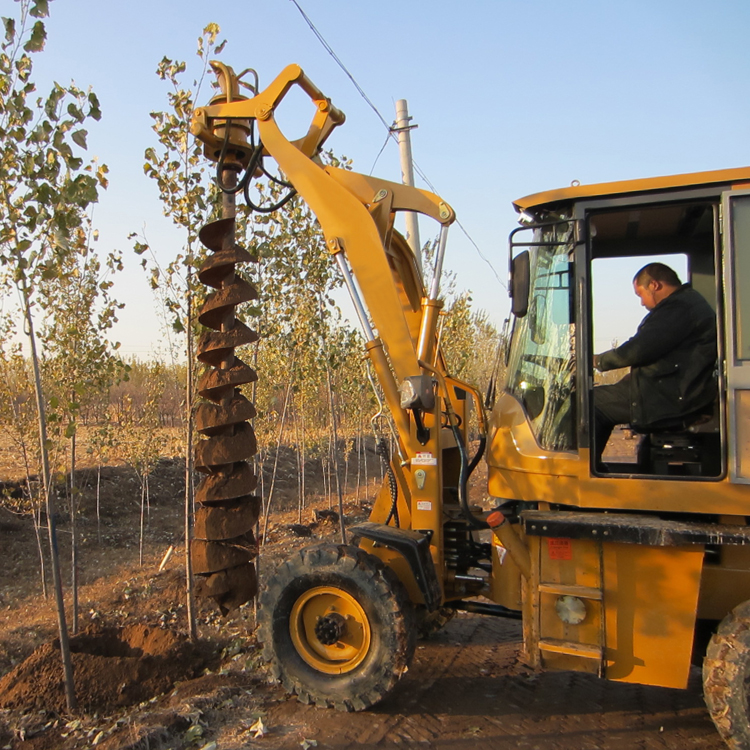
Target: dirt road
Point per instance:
(466, 689)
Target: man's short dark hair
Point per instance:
(657, 272)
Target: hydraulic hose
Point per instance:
(382, 450)
(464, 472)
(478, 455)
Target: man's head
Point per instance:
(655, 282)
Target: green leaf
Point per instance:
(94, 110)
(40, 9)
(70, 430)
(79, 138)
(50, 106)
(75, 112)
(37, 38)
(10, 29)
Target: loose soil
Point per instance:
(113, 667)
(142, 684)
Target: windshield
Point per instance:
(541, 368)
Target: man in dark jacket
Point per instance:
(672, 359)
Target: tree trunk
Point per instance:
(73, 534)
(143, 514)
(303, 491)
(334, 431)
(346, 463)
(298, 452)
(70, 697)
(359, 456)
(98, 497)
(278, 453)
(256, 464)
(189, 476)
(36, 515)
(367, 474)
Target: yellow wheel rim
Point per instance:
(353, 643)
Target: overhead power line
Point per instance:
(388, 127)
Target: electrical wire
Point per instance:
(330, 51)
(382, 148)
(389, 128)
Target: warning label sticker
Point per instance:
(560, 549)
(424, 505)
(424, 459)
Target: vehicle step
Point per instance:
(565, 589)
(584, 650)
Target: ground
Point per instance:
(145, 686)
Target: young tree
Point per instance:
(17, 414)
(79, 362)
(44, 193)
(469, 341)
(143, 442)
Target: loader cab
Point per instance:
(580, 247)
(620, 241)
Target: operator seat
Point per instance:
(688, 446)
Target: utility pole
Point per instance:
(402, 130)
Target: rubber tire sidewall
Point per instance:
(386, 606)
(726, 676)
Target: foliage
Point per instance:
(299, 322)
(45, 187)
(469, 342)
(45, 190)
(18, 413)
(188, 197)
(141, 440)
(79, 362)
(46, 227)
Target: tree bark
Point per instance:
(189, 475)
(278, 453)
(70, 697)
(334, 430)
(74, 534)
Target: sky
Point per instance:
(510, 98)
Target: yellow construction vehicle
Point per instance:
(614, 569)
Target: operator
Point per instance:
(672, 359)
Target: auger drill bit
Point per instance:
(223, 544)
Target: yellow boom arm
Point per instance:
(357, 213)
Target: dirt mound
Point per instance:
(112, 667)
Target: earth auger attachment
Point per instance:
(224, 545)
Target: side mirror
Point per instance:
(520, 276)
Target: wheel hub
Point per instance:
(330, 629)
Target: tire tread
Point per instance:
(381, 585)
(725, 667)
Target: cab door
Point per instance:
(735, 224)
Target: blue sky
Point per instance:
(510, 97)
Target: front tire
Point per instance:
(726, 678)
(337, 627)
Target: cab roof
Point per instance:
(549, 198)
